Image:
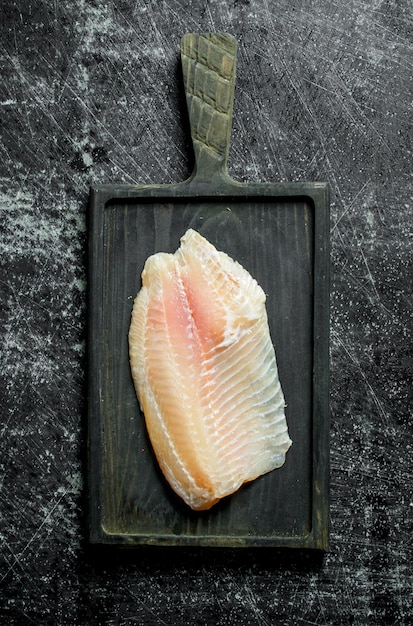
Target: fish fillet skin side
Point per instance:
(205, 372)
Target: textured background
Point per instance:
(91, 92)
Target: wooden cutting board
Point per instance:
(280, 234)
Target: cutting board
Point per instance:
(280, 234)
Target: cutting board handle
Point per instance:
(208, 65)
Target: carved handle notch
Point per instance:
(208, 64)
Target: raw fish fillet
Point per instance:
(205, 372)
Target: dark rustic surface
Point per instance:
(91, 93)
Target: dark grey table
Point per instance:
(91, 92)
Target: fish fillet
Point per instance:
(205, 372)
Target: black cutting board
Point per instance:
(280, 234)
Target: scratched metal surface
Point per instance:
(91, 93)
